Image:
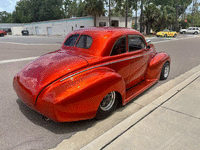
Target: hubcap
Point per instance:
(166, 72)
(108, 101)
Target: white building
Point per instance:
(58, 27)
(8, 26)
(64, 26)
(114, 21)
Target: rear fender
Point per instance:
(78, 97)
(156, 64)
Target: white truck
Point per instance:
(190, 30)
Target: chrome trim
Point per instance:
(104, 65)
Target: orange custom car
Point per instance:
(94, 70)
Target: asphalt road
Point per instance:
(32, 40)
(22, 128)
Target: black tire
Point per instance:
(175, 35)
(1, 35)
(195, 33)
(165, 35)
(107, 105)
(184, 32)
(165, 71)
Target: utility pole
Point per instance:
(176, 15)
(141, 17)
(194, 9)
(136, 17)
(109, 13)
(126, 13)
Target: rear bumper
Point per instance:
(59, 112)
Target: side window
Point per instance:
(135, 43)
(85, 41)
(101, 24)
(71, 40)
(119, 47)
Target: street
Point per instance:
(23, 128)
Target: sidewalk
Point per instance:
(170, 122)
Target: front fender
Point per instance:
(156, 64)
(78, 97)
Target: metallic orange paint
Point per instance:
(69, 84)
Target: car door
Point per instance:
(140, 56)
(189, 30)
(119, 59)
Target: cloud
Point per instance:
(8, 5)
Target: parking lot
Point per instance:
(23, 128)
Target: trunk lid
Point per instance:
(41, 72)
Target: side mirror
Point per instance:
(148, 42)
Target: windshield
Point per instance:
(166, 30)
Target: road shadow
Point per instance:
(121, 107)
(68, 127)
(55, 127)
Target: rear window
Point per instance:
(71, 40)
(85, 41)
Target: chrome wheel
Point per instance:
(108, 101)
(107, 105)
(166, 72)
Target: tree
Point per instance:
(152, 14)
(36, 10)
(81, 9)
(23, 11)
(171, 11)
(183, 24)
(73, 9)
(5, 17)
(94, 8)
(120, 7)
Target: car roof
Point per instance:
(104, 37)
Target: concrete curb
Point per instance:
(125, 125)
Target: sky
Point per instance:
(9, 5)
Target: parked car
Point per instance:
(2, 33)
(166, 33)
(94, 70)
(190, 30)
(25, 32)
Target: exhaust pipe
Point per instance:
(45, 118)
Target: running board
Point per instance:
(138, 89)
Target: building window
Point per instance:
(101, 24)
